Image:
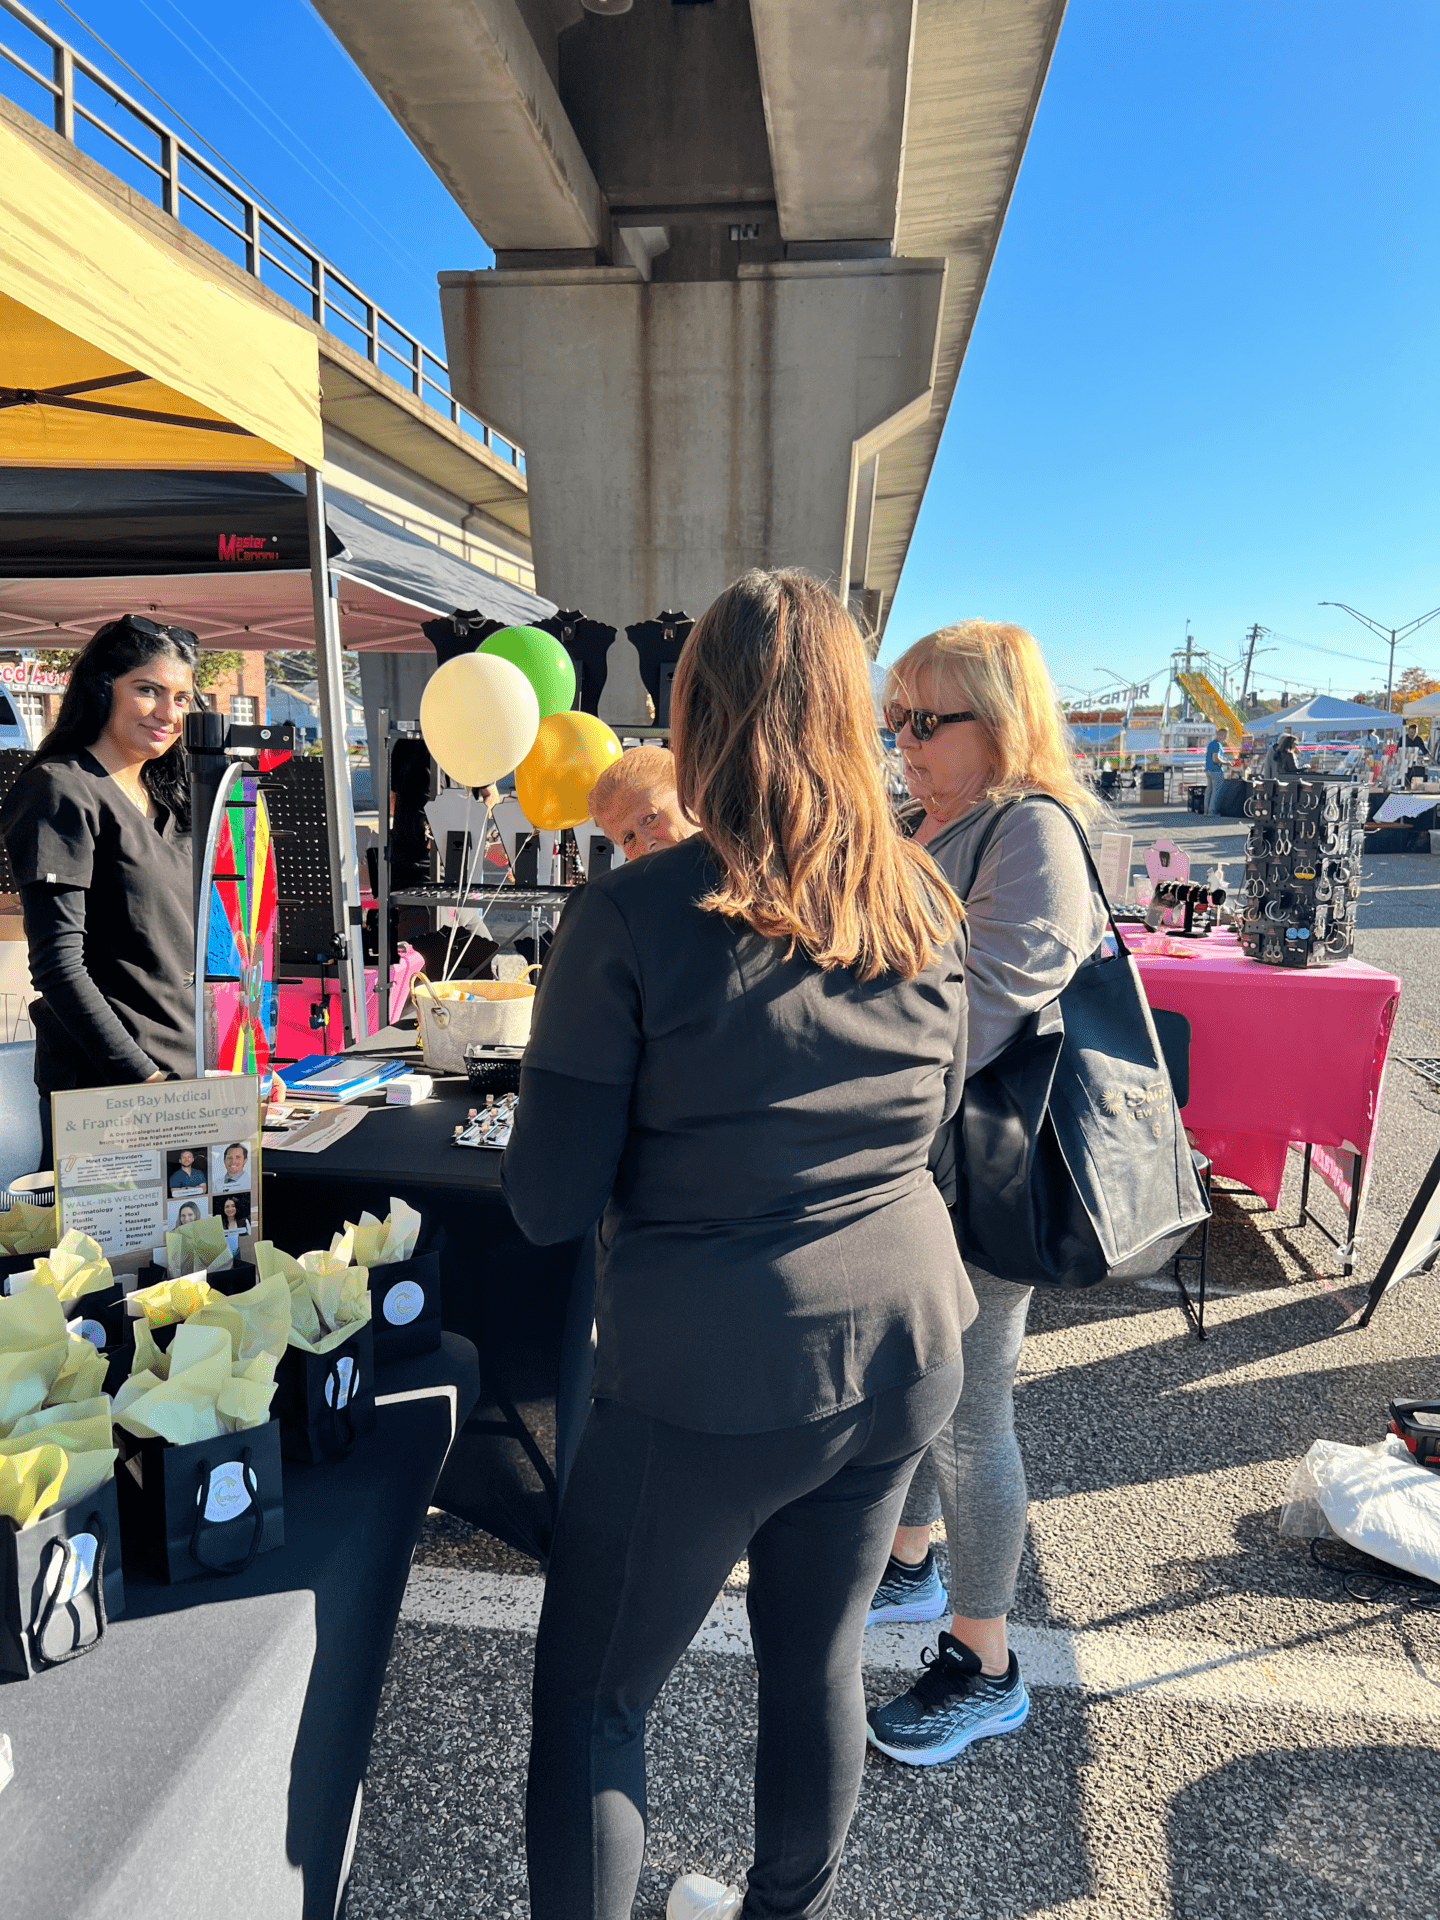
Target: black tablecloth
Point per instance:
(518, 1303)
(205, 1759)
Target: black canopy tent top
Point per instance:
(227, 555)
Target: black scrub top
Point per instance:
(755, 1132)
(66, 825)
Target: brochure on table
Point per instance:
(132, 1162)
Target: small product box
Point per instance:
(60, 1582)
(207, 1508)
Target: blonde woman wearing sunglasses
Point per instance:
(978, 725)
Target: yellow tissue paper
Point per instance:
(83, 1374)
(86, 1444)
(205, 1392)
(258, 1320)
(171, 1300)
(198, 1245)
(380, 1243)
(338, 1293)
(65, 1415)
(30, 1483)
(328, 1297)
(34, 1347)
(75, 1267)
(26, 1228)
(80, 1433)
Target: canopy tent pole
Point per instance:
(339, 810)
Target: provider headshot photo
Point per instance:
(184, 1213)
(234, 1210)
(230, 1168)
(185, 1167)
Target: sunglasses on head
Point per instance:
(138, 623)
(922, 724)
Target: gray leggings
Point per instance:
(972, 1472)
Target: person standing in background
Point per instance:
(977, 721)
(1214, 771)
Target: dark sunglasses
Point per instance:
(152, 628)
(922, 724)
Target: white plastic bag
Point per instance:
(1375, 1497)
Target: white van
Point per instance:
(13, 732)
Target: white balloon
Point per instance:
(479, 717)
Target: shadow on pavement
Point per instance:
(1332, 1833)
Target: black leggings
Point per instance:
(654, 1518)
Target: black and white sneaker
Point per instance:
(909, 1593)
(952, 1705)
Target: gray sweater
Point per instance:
(1034, 915)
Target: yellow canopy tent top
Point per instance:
(117, 351)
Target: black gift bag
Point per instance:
(100, 1318)
(60, 1581)
(208, 1508)
(405, 1308)
(326, 1401)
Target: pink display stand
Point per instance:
(295, 1037)
(1279, 1057)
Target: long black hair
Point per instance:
(114, 650)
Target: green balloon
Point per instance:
(542, 660)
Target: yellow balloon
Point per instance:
(553, 781)
(479, 717)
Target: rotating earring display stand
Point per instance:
(1302, 870)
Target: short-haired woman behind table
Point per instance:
(743, 1047)
(978, 725)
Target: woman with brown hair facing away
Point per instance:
(742, 1049)
(987, 760)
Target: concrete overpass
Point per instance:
(739, 249)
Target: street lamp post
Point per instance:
(1392, 634)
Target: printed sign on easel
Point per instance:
(132, 1162)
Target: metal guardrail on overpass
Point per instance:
(75, 96)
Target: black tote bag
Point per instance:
(1071, 1162)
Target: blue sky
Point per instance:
(1203, 381)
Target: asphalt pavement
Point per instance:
(1217, 1727)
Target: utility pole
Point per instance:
(1392, 634)
(1257, 632)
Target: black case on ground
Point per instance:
(41, 1627)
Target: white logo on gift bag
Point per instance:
(403, 1303)
(77, 1569)
(346, 1375)
(92, 1331)
(229, 1495)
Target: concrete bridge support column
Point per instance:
(679, 432)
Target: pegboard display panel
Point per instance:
(295, 795)
(13, 762)
(1302, 870)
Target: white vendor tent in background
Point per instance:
(1324, 714)
(1427, 703)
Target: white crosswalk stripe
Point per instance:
(1098, 1662)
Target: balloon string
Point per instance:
(481, 840)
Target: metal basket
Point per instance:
(493, 1069)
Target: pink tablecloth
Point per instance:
(1277, 1055)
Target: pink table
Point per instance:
(1278, 1057)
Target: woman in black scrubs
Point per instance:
(97, 829)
